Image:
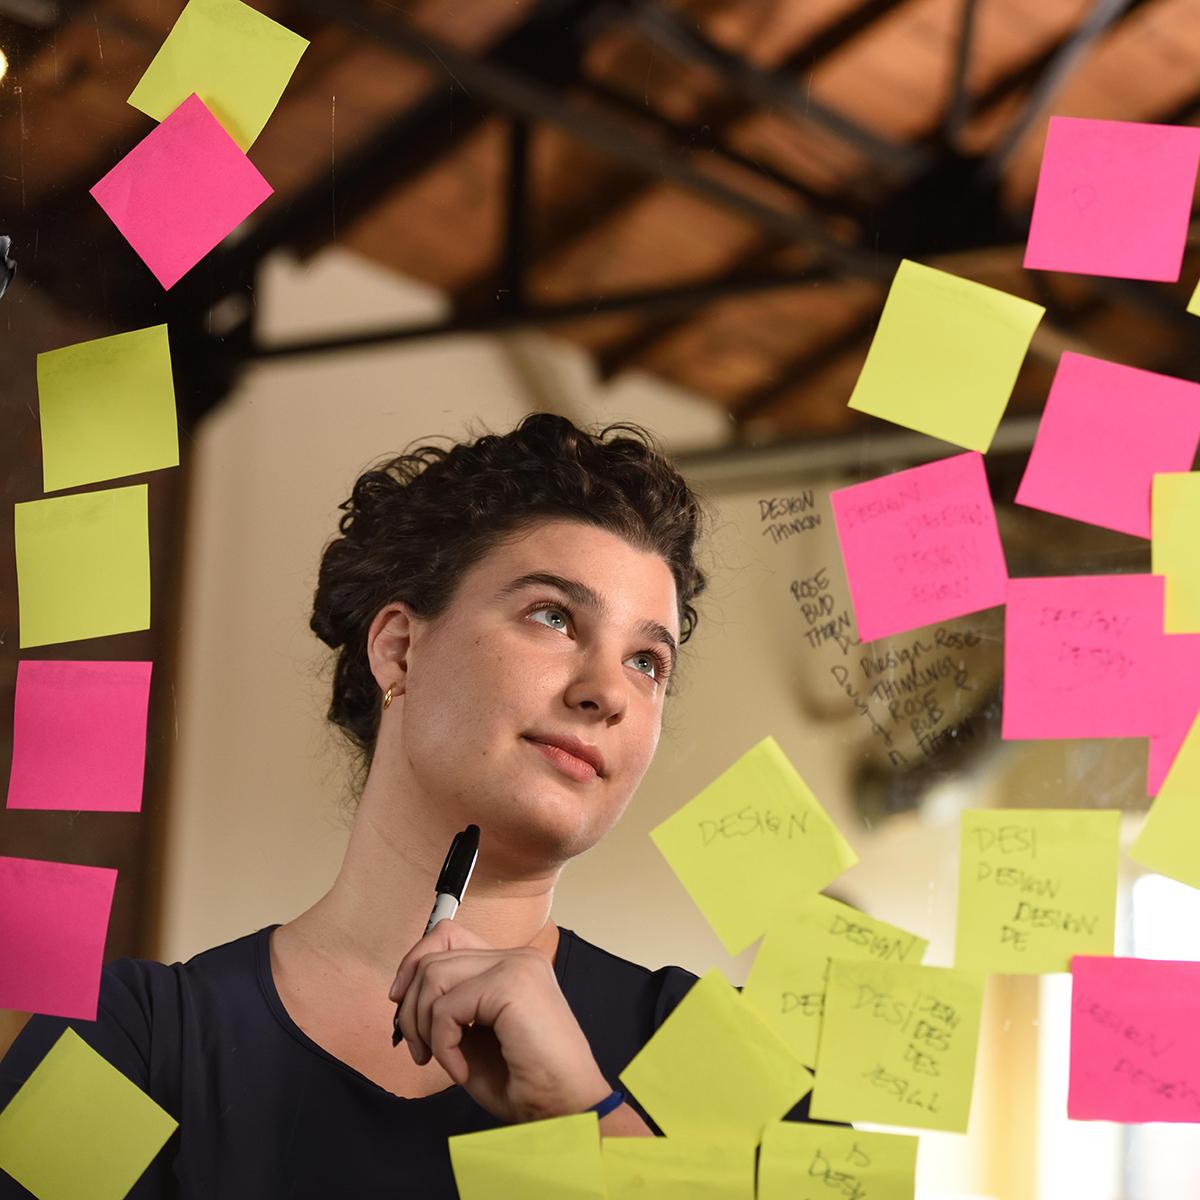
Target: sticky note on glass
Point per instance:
(78, 1127)
(83, 565)
(679, 1168)
(1169, 839)
(53, 924)
(1113, 198)
(79, 736)
(234, 58)
(1106, 431)
(1181, 703)
(812, 1162)
(107, 409)
(559, 1157)
(714, 1068)
(1135, 1041)
(752, 840)
(1193, 305)
(1083, 657)
(898, 1045)
(1176, 536)
(786, 984)
(920, 546)
(1035, 886)
(945, 356)
(180, 190)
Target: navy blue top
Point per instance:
(264, 1112)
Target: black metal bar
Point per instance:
(508, 90)
(511, 293)
(691, 137)
(1065, 60)
(770, 89)
(677, 296)
(959, 105)
(832, 37)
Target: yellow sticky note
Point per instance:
(754, 839)
(556, 1159)
(786, 984)
(898, 1045)
(107, 409)
(821, 1162)
(78, 1127)
(714, 1068)
(945, 356)
(1193, 305)
(1169, 837)
(83, 565)
(679, 1168)
(235, 59)
(1175, 534)
(1035, 886)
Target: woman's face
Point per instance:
(565, 634)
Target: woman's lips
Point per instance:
(568, 764)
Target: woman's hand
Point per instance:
(498, 1024)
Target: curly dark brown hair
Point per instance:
(416, 522)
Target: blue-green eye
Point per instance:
(560, 615)
(648, 664)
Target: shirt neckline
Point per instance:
(266, 982)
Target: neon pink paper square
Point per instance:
(1181, 702)
(1135, 1040)
(53, 925)
(1084, 657)
(79, 736)
(180, 190)
(1106, 431)
(1113, 198)
(920, 546)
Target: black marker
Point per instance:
(451, 886)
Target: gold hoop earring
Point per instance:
(387, 696)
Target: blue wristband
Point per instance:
(608, 1104)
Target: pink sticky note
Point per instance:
(1135, 1040)
(1181, 703)
(79, 736)
(1113, 198)
(1084, 657)
(53, 924)
(180, 190)
(1106, 431)
(920, 546)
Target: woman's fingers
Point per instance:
(445, 935)
(434, 974)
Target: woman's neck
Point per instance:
(377, 908)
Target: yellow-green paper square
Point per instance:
(107, 409)
(678, 1168)
(235, 59)
(786, 984)
(1168, 839)
(83, 565)
(945, 356)
(821, 1162)
(555, 1159)
(1175, 536)
(1035, 886)
(898, 1045)
(752, 841)
(714, 1068)
(79, 1128)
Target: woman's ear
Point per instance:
(388, 640)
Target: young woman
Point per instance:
(506, 616)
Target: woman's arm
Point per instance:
(624, 1122)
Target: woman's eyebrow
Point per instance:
(585, 597)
